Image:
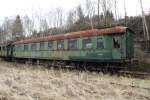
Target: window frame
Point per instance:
(89, 38)
(35, 48)
(52, 45)
(58, 42)
(17, 48)
(3, 48)
(21, 47)
(118, 44)
(42, 46)
(26, 47)
(76, 43)
(14, 48)
(103, 40)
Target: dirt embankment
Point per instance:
(23, 82)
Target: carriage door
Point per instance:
(9, 50)
(116, 47)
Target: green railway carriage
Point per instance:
(3, 50)
(6, 50)
(96, 45)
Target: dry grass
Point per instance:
(23, 82)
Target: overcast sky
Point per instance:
(26, 7)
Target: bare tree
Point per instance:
(28, 25)
(145, 27)
(7, 28)
(107, 8)
(80, 14)
(98, 11)
(4, 30)
(58, 17)
(90, 11)
(44, 26)
(17, 28)
(50, 19)
(70, 19)
(37, 17)
(116, 9)
(104, 7)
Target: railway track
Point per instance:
(135, 74)
(118, 72)
(106, 70)
(115, 70)
(129, 74)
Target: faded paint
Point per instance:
(72, 35)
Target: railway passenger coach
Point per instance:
(97, 45)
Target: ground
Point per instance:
(26, 82)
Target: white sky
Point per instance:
(26, 7)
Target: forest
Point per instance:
(90, 15)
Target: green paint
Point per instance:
(107, 52)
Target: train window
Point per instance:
(26, 48)
(50, 45)
(19, 48)
(33, 47)
(87, 43)
(100, 43)
(60, 44)
(3, 48)
(42, 46)
(15, 48)
(116, 43)
(72, 44)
